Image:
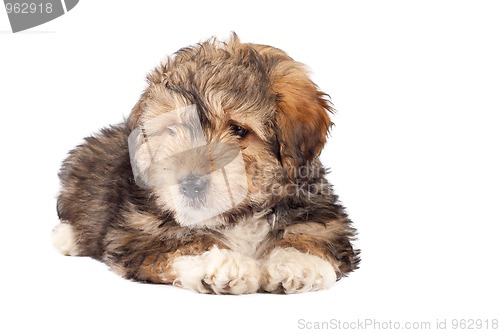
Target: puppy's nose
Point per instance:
(193, 186)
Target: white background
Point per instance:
(414, 157)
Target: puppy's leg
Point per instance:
(289, 270)
(220, 271)
(64, 239)
(309, 256)
(193, 261)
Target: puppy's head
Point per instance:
(222, 127)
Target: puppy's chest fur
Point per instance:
(247, 236)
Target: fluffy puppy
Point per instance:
(213, 183)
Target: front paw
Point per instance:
(288, 270)
(218, 271)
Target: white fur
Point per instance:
(247, 236)
(296, 272)
(224, 271)
(63, 239)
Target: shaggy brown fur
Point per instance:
(137, 232)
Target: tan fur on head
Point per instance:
(299, 110)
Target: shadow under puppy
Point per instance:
(213, 183)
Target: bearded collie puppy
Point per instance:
(213, 183)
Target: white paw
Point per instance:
(218, 271)
(290, 271)
(63, 239)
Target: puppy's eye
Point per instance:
(239, 131)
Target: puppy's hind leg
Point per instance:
(64, 240)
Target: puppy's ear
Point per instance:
(302, 121)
